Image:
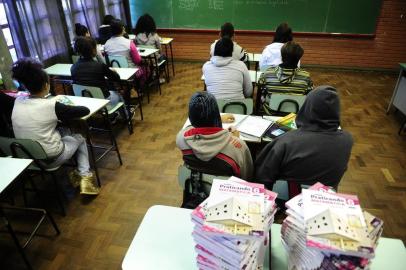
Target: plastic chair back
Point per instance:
(286, 103)
(87, 91)
(240, 106)
(34, 149)
(75, 58)
(117, 61)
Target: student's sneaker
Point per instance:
(87, 186)
(74, 178)
(162, 80)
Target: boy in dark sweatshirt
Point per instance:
(318, 151)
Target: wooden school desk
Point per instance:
(166, 41)
(254, 57)
(254, 75)
(94, 105)
(127, 76)
(398, 99)
(164, 241)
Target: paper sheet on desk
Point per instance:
(254, 126)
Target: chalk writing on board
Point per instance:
(189, 5)
(262, 2)
(216, 4)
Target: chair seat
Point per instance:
(111, 109)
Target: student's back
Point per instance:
(318, 151)
(225, 77)
(92, 73)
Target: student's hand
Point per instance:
(227, 118)
(234, 131)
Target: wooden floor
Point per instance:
(96, 233)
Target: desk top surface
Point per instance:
(166, 40)
(10, 168)
(94, 104)
(254, 75)
(169, 244)
(254, 57)
(64, 70)
(145, 51)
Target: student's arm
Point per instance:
(269, 162)
(66, 112)
(247, 84)
(157, 42)
(247, 169)
(135, 56)
(110, 74)
(243, 55)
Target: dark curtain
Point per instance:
(38, 29)
(86, 12)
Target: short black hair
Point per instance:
(107, 19)
(291, 53)
(30, 74)
(117, 27)
(224, 47)
(81, 30)
(145, 24)
(227, 30)
(283, 33)
(85, 47)
(204, 111)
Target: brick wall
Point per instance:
(384, 51)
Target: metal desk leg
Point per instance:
(167, 63)
(157, 72)
(173, 66)
(91, 153)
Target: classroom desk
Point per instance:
(94, 105)
(126, 76)
(398, 99)
(165, 41)
(164, 241)
(254, 75)
(63, 70)
(10, 169)
(254, 57)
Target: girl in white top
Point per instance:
(145, 32)
(271, 56)
(36, 117)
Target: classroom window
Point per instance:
(4, 25)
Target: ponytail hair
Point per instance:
(30, 75)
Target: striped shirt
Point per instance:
(283, 80)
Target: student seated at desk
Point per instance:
(145, 32)
(105, 29)
(286, 78)
(83, 31)
(207, 139)
(318, 151)
(119, 45)
(35, 117)
(227, 30)
(225, 77)
(87, 71)
(271, 56)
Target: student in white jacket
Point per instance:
(225, 77)
(271, 56)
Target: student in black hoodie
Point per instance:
(318, 151)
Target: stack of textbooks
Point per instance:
(232, 225)
(328, 230)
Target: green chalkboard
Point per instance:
(319, 16)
